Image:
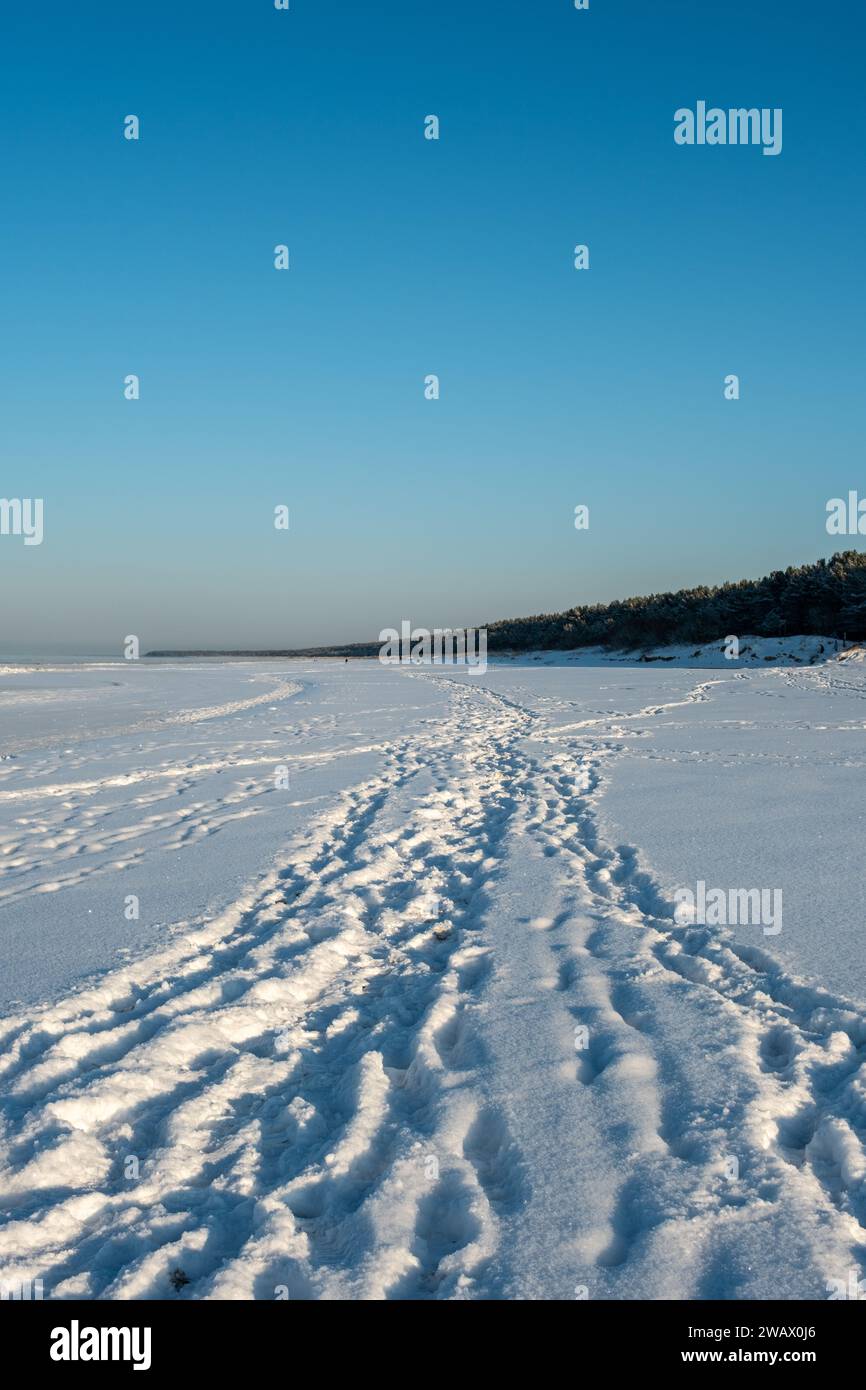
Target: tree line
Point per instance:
(827, 598)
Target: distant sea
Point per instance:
(40, 656)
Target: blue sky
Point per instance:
(411, 257)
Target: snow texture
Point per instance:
(423, 1024)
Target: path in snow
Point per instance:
(362, 1081)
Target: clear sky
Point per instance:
(411, 257)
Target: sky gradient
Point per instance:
(410, 257)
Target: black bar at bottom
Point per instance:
(65, 1338)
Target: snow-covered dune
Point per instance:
(751, 651)
(417, 1019)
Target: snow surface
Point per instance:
(339, 1054)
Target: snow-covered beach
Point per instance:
(327, 980)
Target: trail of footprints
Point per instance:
(275, 1072)
(299, 1079)
(808, 1105)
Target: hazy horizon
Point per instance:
(99, 651)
